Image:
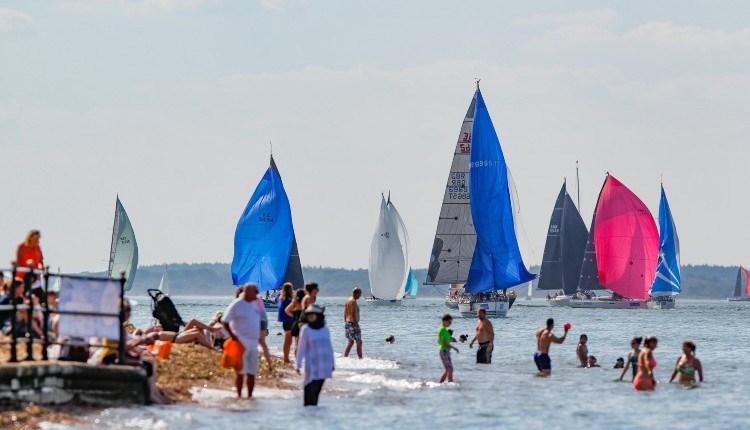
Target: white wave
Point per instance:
(349, 363)
(384, 381)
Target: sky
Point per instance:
(172, 103)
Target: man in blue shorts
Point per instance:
(544, 338)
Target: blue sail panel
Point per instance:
(667, 281)
(497, 262)
(412, 284)
(264, 235)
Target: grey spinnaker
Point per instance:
(589, 279)
(123, 252)
(455, 238)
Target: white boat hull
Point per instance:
(608, 304)
(382, 302)
(559, 301)
(493, 309)
(451, 304)
(660, 304)
(739, 299)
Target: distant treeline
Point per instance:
(699, 282)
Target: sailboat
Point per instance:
(412, 285)
(123, 251)
(164, 283)
(563, 250)
(741, 287)
(389, 255)
(667, 281)
(496, 262)
(625, 245)
(455, 238)
(265, 246)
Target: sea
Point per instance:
(396, 385)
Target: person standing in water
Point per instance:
(241, 321)
(687, 365)
(644, 378)
(635, 350)
(485, 337)
(544, 338)
(311, 296)
(316, 351)
(582, 351)
(286, 320)
(444, 340)
(351, 323)
(294, 310)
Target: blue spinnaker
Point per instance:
(412, 284)
(667, 279)
(264, 235)
(497, 262)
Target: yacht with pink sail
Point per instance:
(741, 287)
(622, 251)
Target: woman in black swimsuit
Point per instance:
(294, 310)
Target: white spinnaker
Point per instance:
(123, 254)
(164, 284)
(387, 261)
(404, 237)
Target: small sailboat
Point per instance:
(389, 254)
(265, 246)
(123, 251)
(624, 244)
(667, 280)
(563, 250)
(164, 283)
(530, 292)
(496, 264)
(741, 287)
(412, 285)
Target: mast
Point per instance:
(578, 187)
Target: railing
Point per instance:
(30, 279)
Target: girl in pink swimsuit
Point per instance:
(644, 379)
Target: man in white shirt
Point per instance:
(242, 322)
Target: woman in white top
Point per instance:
(316, 350)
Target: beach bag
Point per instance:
(161, 349)
(232, 357)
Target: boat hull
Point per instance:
(607, 304)
(660, 304)
(451, 304)
(739, 299)
(271, 305)
(493, 309)
(559, 301)
(382, 302)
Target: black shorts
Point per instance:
(286, 325)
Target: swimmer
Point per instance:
(687, 365)
(390, 339)
(644, 379)
(544, 338)
(635, 350)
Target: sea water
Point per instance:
(395, 386)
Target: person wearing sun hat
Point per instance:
(316, 351)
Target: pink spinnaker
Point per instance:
(747, 281)
(626, 241)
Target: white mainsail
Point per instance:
(404, 238)
(164, 283)
(123, 253)
(455, 238)
(388, 269)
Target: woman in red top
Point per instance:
(29, 251)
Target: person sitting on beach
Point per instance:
(544, 338)
(582, 351)
(592, 362)
(242, 322)
(316, 351)
(445, 337)
(620, 363)
(687, 365)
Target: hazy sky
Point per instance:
(171, 104)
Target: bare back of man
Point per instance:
(351, 323)
(545, 338)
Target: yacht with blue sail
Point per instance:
(667, 280)
(476, 243)
(265, 246)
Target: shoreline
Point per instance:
(188, 367)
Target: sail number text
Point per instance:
(458, 186)
(265, 217)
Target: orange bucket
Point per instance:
(232, 357)
(161, 349)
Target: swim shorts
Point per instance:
(445, 356)
(542, 361)
(263, 325)
(250, 360)
(352, 331)
(484, 357)
(287, 325)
